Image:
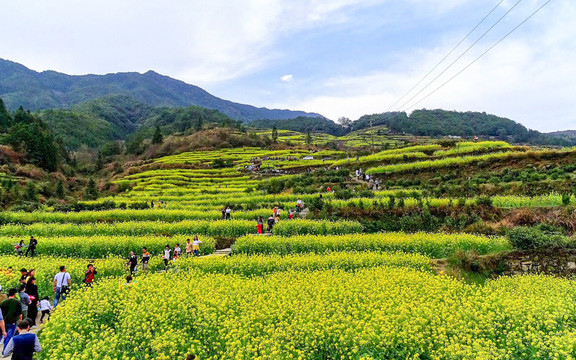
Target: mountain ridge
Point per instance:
(49, 89)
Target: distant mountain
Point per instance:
(20, 86)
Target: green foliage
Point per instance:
(274, 134)
(484, 201)
(157, 138)
(60, 189)
(467, 124)
(35, 139)
(77, 129)
(91, 190)
(566, 199)
(526, 238)
(31, 193)
(5, 118)
(302, 124)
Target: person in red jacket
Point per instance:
(89, 275)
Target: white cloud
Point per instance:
(287, 78)
(528, 78)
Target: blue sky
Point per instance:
(337, 58)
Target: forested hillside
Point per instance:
(437, 123)
(20, 86)
(303, 124)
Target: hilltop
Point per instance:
(20, 86)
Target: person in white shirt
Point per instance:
(61, 285)
(166, 256)
(228, 212)
(298, 205)
(46, 308)
(196, 246)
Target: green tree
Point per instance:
(134, 144)
(275, 134)
(91, 190)
(5, 118)
(200, 122)
(309, 138)
(31, 192)
(60, 189)
(157, 138)
(23, 116)
(37, 141)
(99, 161)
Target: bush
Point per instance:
(565, 199)
(484, 201)
(526, 238)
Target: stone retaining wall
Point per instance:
(560, 262)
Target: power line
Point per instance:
(447, 55)
(461, 55)
(481, 55)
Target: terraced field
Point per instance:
(326, 284)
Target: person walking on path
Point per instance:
(61, 285)
(228, 213)
(24, 276)
(260, 225)
(145, 259)
(24, 345)
(32, 291)
(132, 262)
(177, 253)
(12, 313)
(89, 275)
(24, 300)
(189, 248)
(19, 247)
(166, 256)
(271, 222)
(32, 246)
(46, 308)
(2, 326)
(196, 245)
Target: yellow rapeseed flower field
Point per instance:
(377, 313)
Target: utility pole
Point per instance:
(372, 131)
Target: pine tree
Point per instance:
(31, 192)
(308, 138)
(60, 189)
(99, 161)
(200, 122)
(91, 190)
(5, 118)
(157, 138)
(275, 134)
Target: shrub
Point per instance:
(526, 238)
(566, 199)
(484, 201)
